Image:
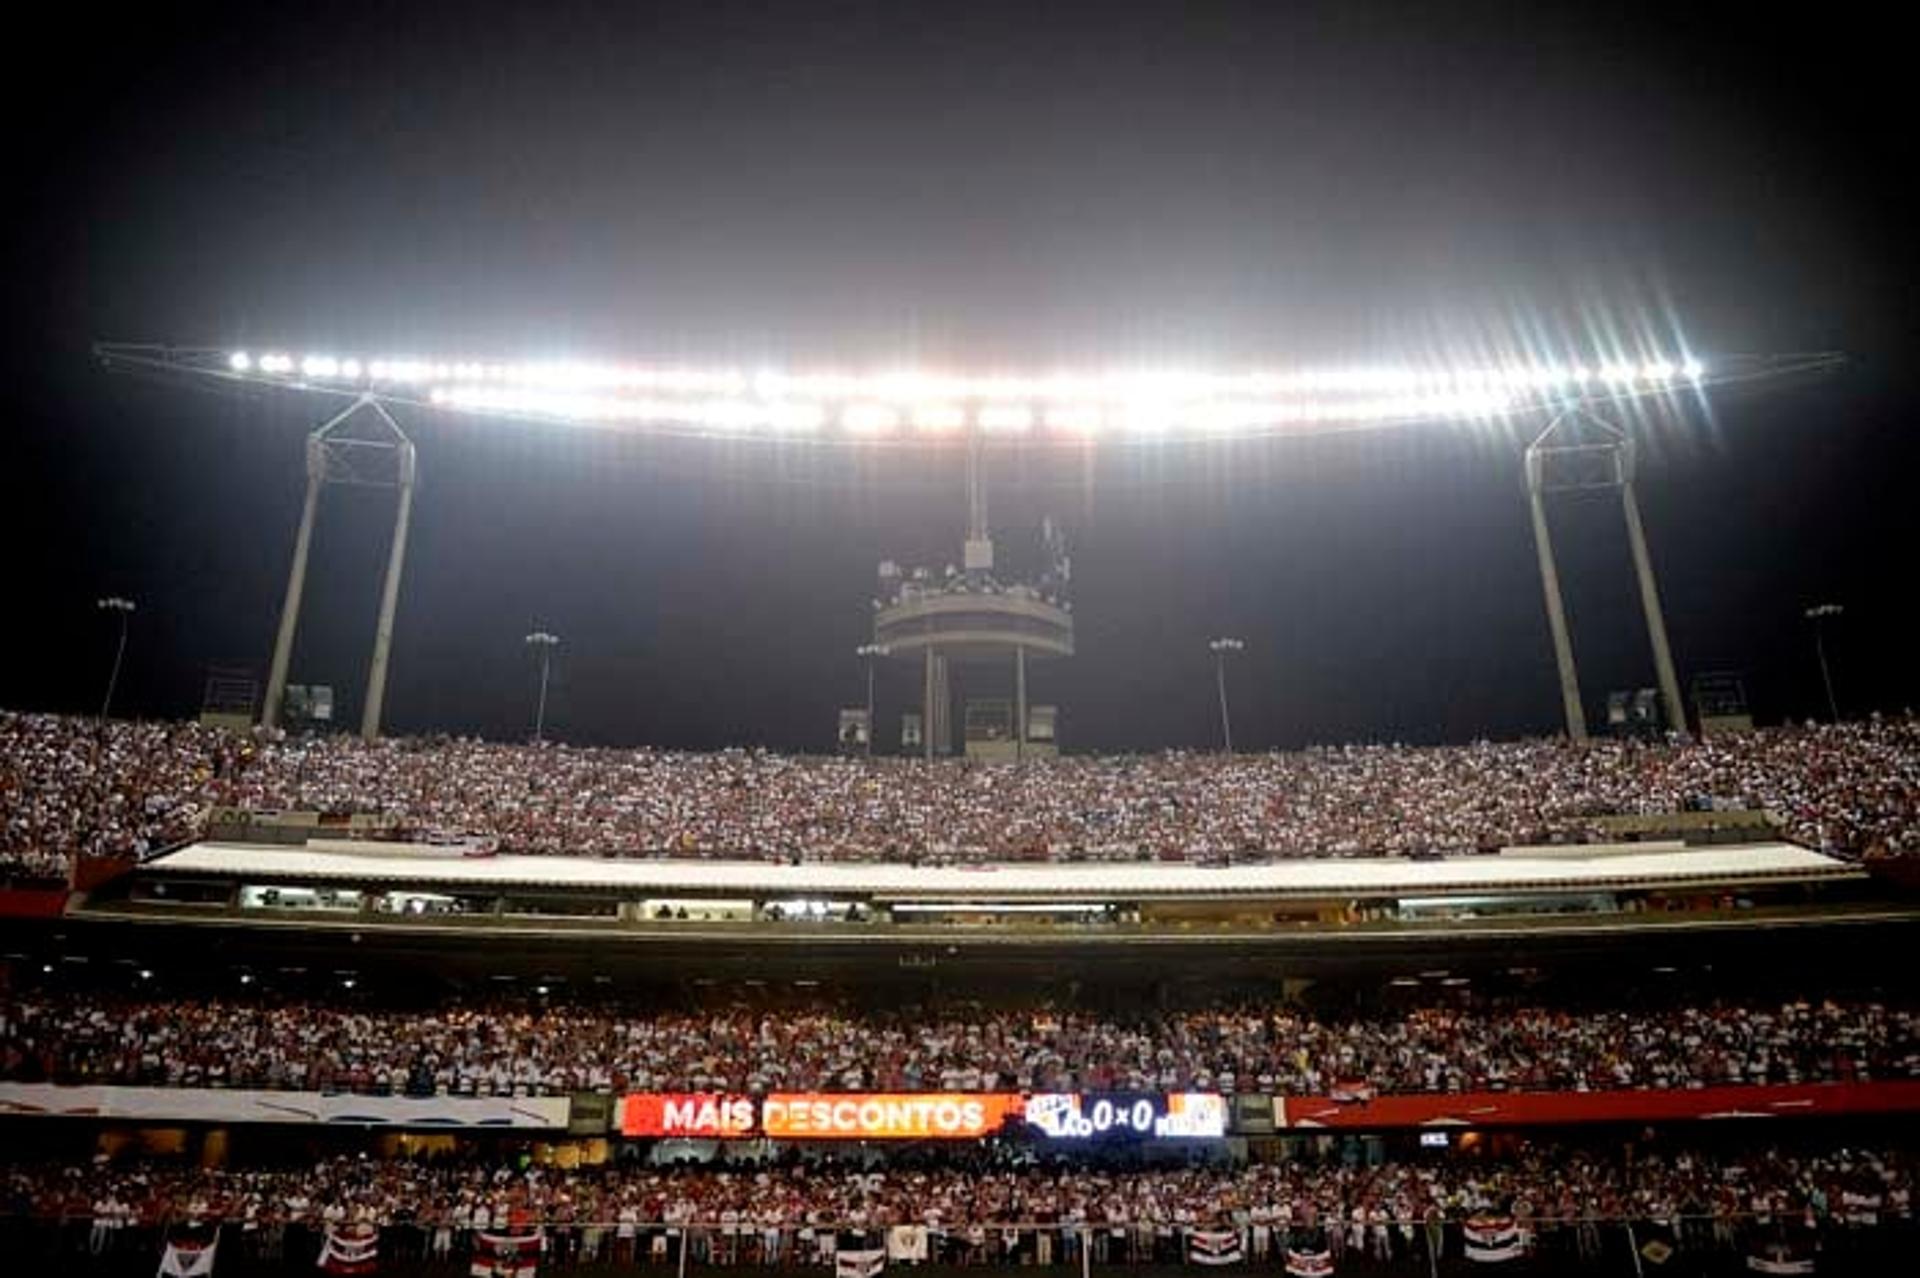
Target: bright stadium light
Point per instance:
(1006, 419)
(936, 405)
(1074, 419)
(939, 417)
(869, 418)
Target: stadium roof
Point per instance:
(1600, 868)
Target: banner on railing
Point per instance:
(505, 1255)
(858, 1255)
(1215, 1247)
(190, 1253)
(1492, 1239)
(350, 1249)
(1493, 1109)
(243, 1105)
(1309, 1261)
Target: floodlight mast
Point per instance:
(1580, 451)
(334, 457)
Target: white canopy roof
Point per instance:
(1518, 869)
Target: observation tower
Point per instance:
(967, 615)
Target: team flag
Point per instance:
(350, 1249)
(1214, 1247)
(858, 1255)
(1781, 1252)
(1492, 1238)
(1308, 1255)
(505, 1255)
(189, 1254)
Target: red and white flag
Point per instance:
(189, 1255)
(1215, 1247)
(350, 1249)
(1493, 1238)
(1309, 1261)
(506, 1255)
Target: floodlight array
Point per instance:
(908, 403)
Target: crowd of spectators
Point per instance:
(71, 786)
(1541, 1187)
(482, 1048)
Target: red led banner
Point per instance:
(1495, 1109)
(698, 1114)
(888, 1116)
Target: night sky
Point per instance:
(977, 186)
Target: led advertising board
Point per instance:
(709, 1115)
(922, 1115)
(887, 1116)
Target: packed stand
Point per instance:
(1544, 1188)
(494, 1048)
(72, 786)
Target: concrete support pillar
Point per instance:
(926, 708)
(1650, 604)
(296, 585)
(1020, 702)
(389, 601)
(1576, 716)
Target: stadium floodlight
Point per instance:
(1063, 405)
(939, 416)
(1570, 388)
(1819, 615)
(123, 609)
(868, 652)
(543, 642)
(1005, 419)
(1220, 647)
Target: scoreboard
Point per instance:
(1127, 1115)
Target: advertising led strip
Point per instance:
(886, 1115)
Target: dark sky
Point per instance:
(972, 185)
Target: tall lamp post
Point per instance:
(544, 643)
(1818, 615)
(124, 608)
(1220, 648)
(871, 651)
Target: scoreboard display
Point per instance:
(1127, 1115)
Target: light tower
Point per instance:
(336, 456)
(543, 642)
(1579, 451)
(1220, 648)
(123, 609)
(1819, 615)
(868, 652)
